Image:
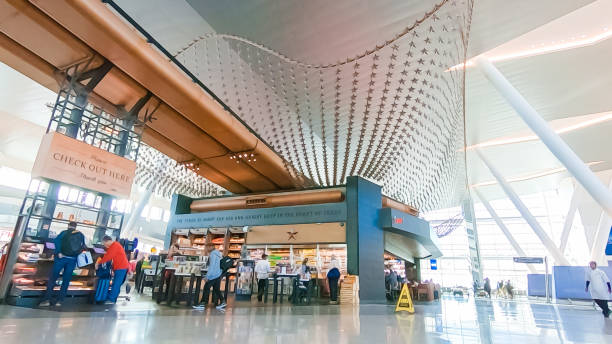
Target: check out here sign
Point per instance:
(70, 161)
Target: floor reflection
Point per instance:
(452, 320)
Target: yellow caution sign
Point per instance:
(404, 303)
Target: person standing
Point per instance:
(213, 279)
(597, 280)
(68, 245)
(487, 287)
(509, 289)
(116, 254)
(262, 269)
(333, 275)
(393, 285)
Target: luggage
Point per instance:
(103, 284)
(102, 288)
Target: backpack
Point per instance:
(104, 271)
(333, 273)
(72, 243)
(226, 263)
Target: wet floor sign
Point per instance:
(404, 303)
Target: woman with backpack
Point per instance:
(333, 275)
(68, 245)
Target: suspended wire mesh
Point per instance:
(448, 226)
(165, 176)
(393, 114)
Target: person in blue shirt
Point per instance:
(68, 245)
(213, 279)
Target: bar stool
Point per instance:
(195, 284)
(267, 288)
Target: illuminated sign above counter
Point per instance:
(70, 161)
(315, 213)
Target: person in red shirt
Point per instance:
(116, 254)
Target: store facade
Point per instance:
(353, 223)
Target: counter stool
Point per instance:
(195, 285)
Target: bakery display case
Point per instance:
(229, 241)
(395, 263)
(47, 209)
(46, 216)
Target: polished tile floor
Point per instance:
(449, 321)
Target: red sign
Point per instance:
(398, 220)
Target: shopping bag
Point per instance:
(84, 259)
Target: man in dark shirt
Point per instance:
(65, 258)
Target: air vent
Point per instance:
(255, 202)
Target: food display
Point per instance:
(325, 257)
(34, 264)
(218, 241)
(395, 263)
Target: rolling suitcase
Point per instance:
(102, 290)
(103, 283)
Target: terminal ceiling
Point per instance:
(222, 42)
(267, 46)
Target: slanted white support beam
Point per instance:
(500, 223)
(601, 238)
(569, 221)
(549, 137)
(135, 215)
(525, 213)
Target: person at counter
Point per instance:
(262, 269)
(213, 279)
(68, 245)
(333, 275)
(173, 251)
(304, 268)
(116, 254)
(304, 280)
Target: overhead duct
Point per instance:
(267, 201)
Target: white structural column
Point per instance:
(601, 238)
(135, 215)
(503, 228)
(569, 221)
(520, 206)
(555, 144)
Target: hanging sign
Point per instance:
(433, 264)
(609, 245)
(404, 302)
(529, 260)
(70, 161)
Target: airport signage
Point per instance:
(315, 213)
(609, 245)
(70, 161)
(529, 260)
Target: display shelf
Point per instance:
(67, 221)
(38, 197)
(40, 290)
